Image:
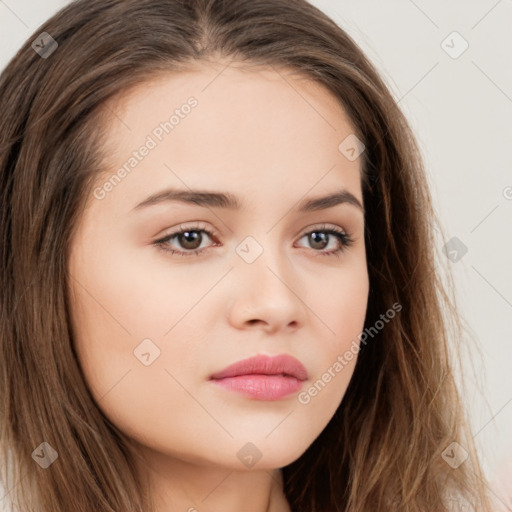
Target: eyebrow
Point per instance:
(229, 201)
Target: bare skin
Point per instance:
(272, 140)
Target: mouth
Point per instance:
(263, 377)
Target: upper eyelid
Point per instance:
(193, 227)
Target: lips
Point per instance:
(283, 365)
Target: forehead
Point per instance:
(250, 128)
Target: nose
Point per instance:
(267, 295)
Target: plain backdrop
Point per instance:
(448, 66)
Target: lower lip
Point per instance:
(261, 387)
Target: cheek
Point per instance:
(341, 307)
(127, 294)
(340, 304)
(113, 358)
(126, 308)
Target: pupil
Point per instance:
(315, 236)
(191, 238)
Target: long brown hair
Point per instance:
(383, 449)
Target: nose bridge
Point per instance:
(263, 255)
(267, 293)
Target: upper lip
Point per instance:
(283, 364)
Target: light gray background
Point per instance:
(461, 111)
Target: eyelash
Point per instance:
(344, 238)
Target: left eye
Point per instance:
(190, 240)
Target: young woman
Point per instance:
(218, 288)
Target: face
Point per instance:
(156, 313)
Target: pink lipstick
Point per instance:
(263, 377)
